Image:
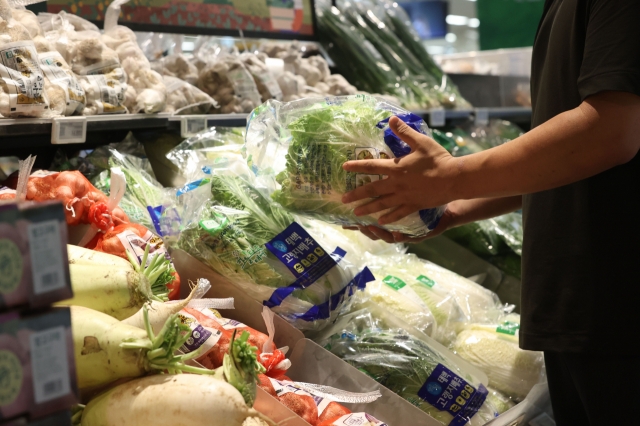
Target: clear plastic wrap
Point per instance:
(411, 365)
(178, 66)
(265, 82)
(215, 145)
(143, 194)
(224, 77)
(454, 301)
(66, 95)
(303, 145)
(22, 85)
(494, 349)
(361, 64)
(97, 67)
(420, 84)
(241, 234)
(397, 21)
(151, 92)
(184, 98)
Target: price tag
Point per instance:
(68, 130)
(437, 117)
(192, 124)
(47, 265)
(50, 364)
(482, 116)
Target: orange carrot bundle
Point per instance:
(209, 318)
(84, 204)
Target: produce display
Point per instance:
(243, 235)
(406, 364)
(384, 54)
(494, 349)
(127, 302)
(303, 145)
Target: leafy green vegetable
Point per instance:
(142, 189)
(230, 233)
(397, 360)
(323, 139)
(316, 137)
(241, 367)
(399, 23)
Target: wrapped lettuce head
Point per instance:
(302, 146)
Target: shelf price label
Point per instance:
(192, 124)
(482, 116)
(66, 130)
(437, 117)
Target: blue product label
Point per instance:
(156, 214)
(449, 392)
(431, 217)
(397, 146)
(323, 311)
(192, 185)
(301, 254)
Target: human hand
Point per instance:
(447, 221)
(420, 180)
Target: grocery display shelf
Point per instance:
(27, 133)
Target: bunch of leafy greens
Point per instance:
(398, 360)
(230, 236)
(142, 188)
(322, 139)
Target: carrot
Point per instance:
(265, 384)
(214, 357)
(302, 405)
(333, 412)
(84, 204)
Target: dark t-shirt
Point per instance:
(581, 255)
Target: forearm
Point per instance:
(466, 211)
(598, 135)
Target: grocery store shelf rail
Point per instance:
(37, 132)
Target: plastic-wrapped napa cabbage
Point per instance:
(453, 301)
(303, 145)
(240, 233)
(412, 365)
(494, 349)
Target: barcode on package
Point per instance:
(50, 364)
(47, 265)
(71, 130)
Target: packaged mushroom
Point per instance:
(97, 66)
(21, 79)
(151, 92)
(225, 79)
(66, 95)
(184, 98)
(266, 84)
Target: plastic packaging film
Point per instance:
(302, 145)
(226, 222)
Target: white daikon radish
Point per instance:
(159, 312)
(107, 350)
(170, 400)
(113, 285)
